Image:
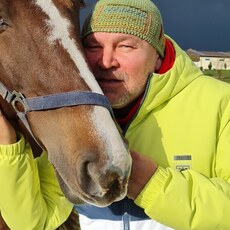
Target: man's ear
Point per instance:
(158, 63)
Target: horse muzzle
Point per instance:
(102, 182)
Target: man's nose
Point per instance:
(108, 59)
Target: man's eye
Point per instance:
(92, 47)
(126, 46)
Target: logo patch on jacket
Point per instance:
(182, 162)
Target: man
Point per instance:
(175, 119)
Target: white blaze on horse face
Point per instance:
(108, 131)
(115, 147)
(60, 31)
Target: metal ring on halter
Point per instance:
(18, 100)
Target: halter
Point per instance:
(52, 101)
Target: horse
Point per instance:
(49, 93)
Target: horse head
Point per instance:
(41, 57)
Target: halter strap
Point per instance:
(52, 101)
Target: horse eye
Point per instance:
(3, 22)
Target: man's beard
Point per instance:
(122, 101)
(125, 96)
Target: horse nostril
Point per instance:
(82, 168)
(114, 187)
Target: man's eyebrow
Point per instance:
(131, 40)
(89, 40)
(125, 38)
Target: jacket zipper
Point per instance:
(142, 101)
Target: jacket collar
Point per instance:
(167, 63)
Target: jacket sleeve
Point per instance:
(30, 196)
(188, 200)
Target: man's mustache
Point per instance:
(110, 76)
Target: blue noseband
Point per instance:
(23, 105)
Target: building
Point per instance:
(210, 60)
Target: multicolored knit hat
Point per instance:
(136, 17)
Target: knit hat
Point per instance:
(136, 17)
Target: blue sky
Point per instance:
(198, 24)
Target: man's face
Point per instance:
(121, 64)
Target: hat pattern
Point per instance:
(135, 17)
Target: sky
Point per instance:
(202, 25)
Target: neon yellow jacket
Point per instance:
(30, 196)
(183, 124)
